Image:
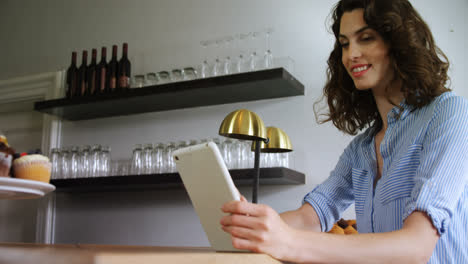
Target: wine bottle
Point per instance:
(101, 69)
(91, 73)
(72, 77)
(124, 69)
(112, 69)
(83, 82)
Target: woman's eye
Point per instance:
(344, 45)
(367, 38)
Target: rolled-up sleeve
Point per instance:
(335, 194)
(442, 175)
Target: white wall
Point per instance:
(40, 36)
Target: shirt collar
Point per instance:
(402, 110)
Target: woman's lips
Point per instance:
(360, 70)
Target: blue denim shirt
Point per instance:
(425, 157)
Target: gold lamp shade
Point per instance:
(243, 124)
(279, 141)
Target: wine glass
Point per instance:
(227, 65)
(268, 56)
(216, 70)
(253, 54)
(205, 68)
(242, 43)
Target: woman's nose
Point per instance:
(354, 51)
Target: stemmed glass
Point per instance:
(253, 55)
(268, 57)
(227, 65)
(242, 40)
(205, 68)
(216, 70)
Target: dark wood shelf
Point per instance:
(241, 177)
(249, 86)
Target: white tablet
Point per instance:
(209, 185)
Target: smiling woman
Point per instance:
(406, 173)
(414, 60)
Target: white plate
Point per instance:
(12, 188)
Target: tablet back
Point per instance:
(209, 185)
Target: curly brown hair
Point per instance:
(417, 62)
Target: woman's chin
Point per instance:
(362, 87)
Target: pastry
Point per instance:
(6, 156)
(336, 229)
(32, 167)
(344, 227)
(350, 230)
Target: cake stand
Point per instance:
(14, 189)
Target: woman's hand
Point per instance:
(257, 227)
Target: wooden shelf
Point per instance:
(241, 177)
(249, 86)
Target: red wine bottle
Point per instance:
(112, 69)
(83, 82)
(124, 69)
(91, 73)
(72, 77)
(101, 75)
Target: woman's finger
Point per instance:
(244, 244)
(246, 221)
(244, 208)
(243, 233)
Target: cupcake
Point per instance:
(6, 156)
(32, 167)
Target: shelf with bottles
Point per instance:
(241, 177)
(241, 87)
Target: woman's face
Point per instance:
(365, 54)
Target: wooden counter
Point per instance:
(18, 253)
